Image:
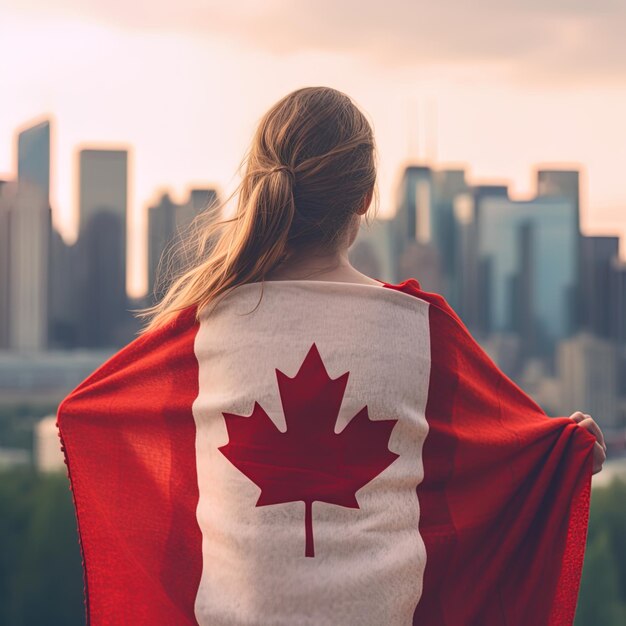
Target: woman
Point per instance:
(290, 441)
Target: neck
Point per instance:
(312, 263)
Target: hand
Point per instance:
(599, 449)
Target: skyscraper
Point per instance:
(167, 222)
(161, 229)
(617, 305)
(448, 185)
(199, 200)
(425, 216)
(422, 261)
(587, 372)
(103, 197)
(5, 259)
(62, 313)
(29, 241)
(413, 216)
(31, 224)
(596, 269)
(565, 183)
(528, 251)
(471, 292)
(373, 250)
(34, 173)
(33, 157)
(103, 185)
(616, 301)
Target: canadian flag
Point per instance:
(313, 452)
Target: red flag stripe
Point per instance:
(134, 480)
(506, 491)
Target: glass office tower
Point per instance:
(528, 252)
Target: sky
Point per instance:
(499, 87)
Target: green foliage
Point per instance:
(602, 598)
(17, 421)
(41, 576)
(40, 568)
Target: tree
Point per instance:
(40, 565)
(602, 599)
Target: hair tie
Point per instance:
(285, 168)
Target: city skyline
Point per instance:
(458, 86)
(137, 245)
(538, 294)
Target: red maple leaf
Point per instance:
(309, 461)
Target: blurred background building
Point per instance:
(168, 224)
(100, 256)
(48, 455)
(547, 303)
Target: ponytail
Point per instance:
(250, 245)
(281, 207)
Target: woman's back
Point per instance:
(344, 454)
(315, 399)
(335, 453)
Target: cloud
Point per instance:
(564, 41)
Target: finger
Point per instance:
(590, 425)
(587, 416)
(600, 431)
(593, 427)
(599, 457)
(577, 416)
(601, 451)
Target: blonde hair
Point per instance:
(310, 166)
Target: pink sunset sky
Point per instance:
(499, 87)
